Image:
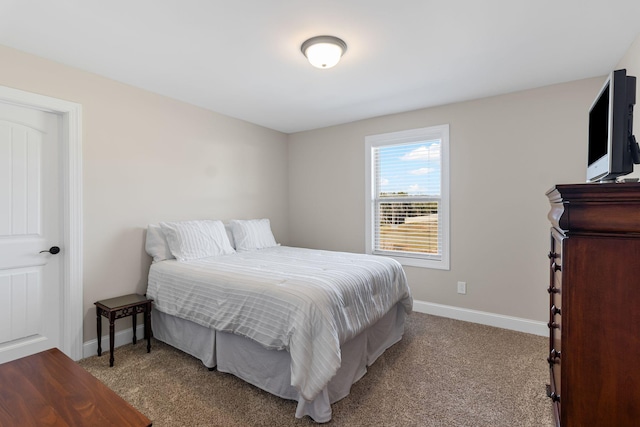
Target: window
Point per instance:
(407, 180)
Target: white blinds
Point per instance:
(406, 198)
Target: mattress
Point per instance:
(305, 301)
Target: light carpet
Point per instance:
(444, 373)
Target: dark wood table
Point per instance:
(50, 389)
(117, 308)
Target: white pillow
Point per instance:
(156, 245)
(196, 239)
(227, 228)
(252, 234)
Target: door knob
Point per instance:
(52, 250)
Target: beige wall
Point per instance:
(148, 158)
(506, 152)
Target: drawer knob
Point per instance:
(554, 357)
(552, 255)
(556, 267)
(555, 310)
(554, 397)
(553, 325)
(553, 290)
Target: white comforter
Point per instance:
(302, 300)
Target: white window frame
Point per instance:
(440, 132)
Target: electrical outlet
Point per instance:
(462, 287)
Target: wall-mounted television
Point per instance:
(612, 148)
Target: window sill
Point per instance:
(418, 262)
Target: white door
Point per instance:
(30, 222)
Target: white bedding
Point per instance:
(305, 301)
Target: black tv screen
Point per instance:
(599, 127)
(612, 149)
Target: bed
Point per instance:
(299, 323)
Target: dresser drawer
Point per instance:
(554, 393)
(555, 290)
(554, 356)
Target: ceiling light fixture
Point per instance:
(323, 51)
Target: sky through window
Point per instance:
(413, 169)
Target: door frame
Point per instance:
(71, 335)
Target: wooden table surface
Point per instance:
(50, 389)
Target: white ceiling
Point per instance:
(242, 58)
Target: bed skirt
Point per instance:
(270, 370)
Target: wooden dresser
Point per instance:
(594, 304)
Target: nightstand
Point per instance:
(119, 307)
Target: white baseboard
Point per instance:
(483, 318)
(90, 348)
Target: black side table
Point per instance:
(119, 307)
